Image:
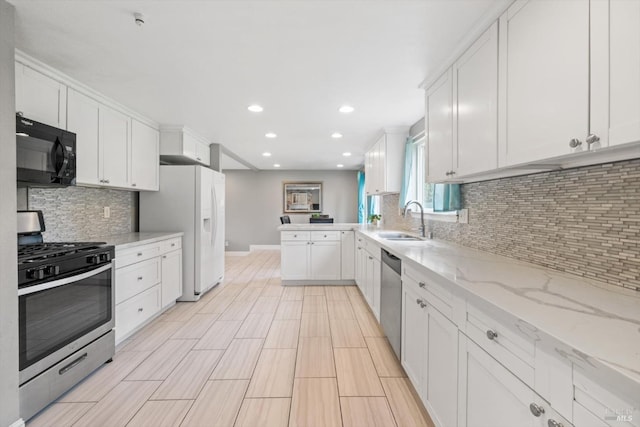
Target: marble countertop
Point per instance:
(130, 240)
(319, 227)
(600, 323)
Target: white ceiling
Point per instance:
(201, 63)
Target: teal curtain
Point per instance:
(406, 171)
(362, 198)
(446, 197)
(372, 205)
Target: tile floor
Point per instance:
(250, 353)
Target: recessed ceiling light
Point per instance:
(347, 154)
(255, 108)
(336, 135)
(346, 109)
(270, 135)
(276, 165)
(266, 154)
(340, 165)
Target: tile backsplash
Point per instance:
(584, 221)
(77, 213)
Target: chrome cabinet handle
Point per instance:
(536, 409)
(370, 257)
(295, 235)
(139, 253)
(592, 138)
(574, 142)
(164, 256)
(140, 310)
(422, 285)
(325, 236)
(554, 423)
(139, 277)
(421, 303)
(492, 335)
(134, 184)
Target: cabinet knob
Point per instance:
(164, 256)
(370, 257)
(422, 285)
(173, 244)
(554, 423)
(325, 236)
(140, 310)
(198, 158)
(421, 303)
(139, 277)
(139, 253)
(106, 180)
(591, 139)
(536, 409)
(295, 235)
(574, 142)
(134, 184)
(492, 335)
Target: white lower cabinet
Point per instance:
(368, 272)
(414, 339)
(347, 250)
(295, 260)
(324, 260)
(171, 277)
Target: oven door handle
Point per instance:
(62, 282)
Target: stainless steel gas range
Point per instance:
(66, 312)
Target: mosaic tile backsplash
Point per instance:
(583, 221)
(77, 213)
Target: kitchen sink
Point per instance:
(398, 236)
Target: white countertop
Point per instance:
(600, 323)
(130, 240)
(319, 227)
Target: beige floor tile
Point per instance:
(239, 360)
(230, 291)
(119, 405)
(161, 413)
(273, 376)
(237, 310)
(256, 325)
(181, 312)
(61, 415)
(315, 357)
(153, 336)
(340, 310)
(314, 304)
(346, 333)
(272, 291)
(196, 326)
(283, 334)
(368, 323)
(266, 305)
(293, 293)
(217, 305)
(384, 359)
(352, 291)
(217, 405)
(186, 381)
(264, 412)
(366, 412)
(103, 380)
(336, 293)
(315, 403)
(289, 310)
(219, 335)
(315, 325)
(161, 362)
(249, 294)
(404, 405)
(356, 374)
(313, 290)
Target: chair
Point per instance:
(285, 219)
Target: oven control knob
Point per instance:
(93, 259)
(36, 273)
(52, 270)
(105, 257)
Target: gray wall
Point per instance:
(9, 412)
(255, 203)
(584, 221)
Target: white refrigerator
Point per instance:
(191, 200)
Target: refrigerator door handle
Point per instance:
(214, 227)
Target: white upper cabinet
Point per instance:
(475, 101)
(544, 80)
(40, 97)
(384, 163)
(439, 119)
(82, 119)
(615, 72)
(144, 156)
(114, 131)
(182, 145)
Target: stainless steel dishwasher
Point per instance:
(391, 299)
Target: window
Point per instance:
(418, 189)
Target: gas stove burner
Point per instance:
(48, 251)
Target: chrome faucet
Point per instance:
(404, 214)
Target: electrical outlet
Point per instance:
(226, 243)
(463, 216)
(107, 212)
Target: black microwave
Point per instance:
(46, 156)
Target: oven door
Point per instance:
(61, 316)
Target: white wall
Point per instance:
(255, 203)
(9, 412)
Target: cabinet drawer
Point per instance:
(135, 278)
(436, 294)
(171, 245)
(513, 350)
(317, 236)
(135, 311)
(421, 289)
(295, 235)
(137, 254)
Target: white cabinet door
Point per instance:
(114, 147)
(325, 260)
(439, 119)
(413, 352)
(348, 252)
(381, 166)
(544, 79)
(361, 264)
(145, 158)
(203, 154)
(40, 98)
(476, 106)
(83, 119)
(442, 368)
(488, 394)
(295, 260)
(374, 272)
(189, 144)
(583, 417)
(171, 277)
(368, 279)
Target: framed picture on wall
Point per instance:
(302, 197)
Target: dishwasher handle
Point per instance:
(392, 261)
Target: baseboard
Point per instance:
(19, 423)
(237, 253)
(263, 247)
(318, 282)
